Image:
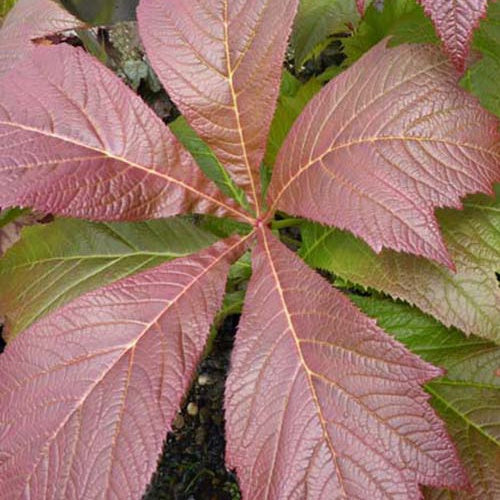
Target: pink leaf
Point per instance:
(321, 403)
(383, 145)
(88, 393)
(74, 140)
(361, 6)
(30, 19)
(455, 22)
(221, 63)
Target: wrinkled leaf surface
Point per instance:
(383, 145)
(87, 393)
(320, 403)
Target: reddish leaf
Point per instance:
(321, 403)
(88, 393)
(27, 20)
(383, 145)
(221, 62)
(455, 21)
(361, 6)
(74, 140)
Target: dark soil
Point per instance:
(192, 464)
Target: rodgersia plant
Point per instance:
(321, 403)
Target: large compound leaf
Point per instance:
(316, 20)
(88, 392)
(220, 61)
(383, 145)
(57, 262)
(468, 399)
(483, 77)
(30, 19)
(320, 402)
(468, 298)
(455, 22)
(76, 141)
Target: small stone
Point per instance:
(192, 409)
(200, 436)
(204, 379)
(178, 422)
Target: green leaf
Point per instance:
(404, 19)
(54, 263)
(482, 78)
(468, 398)
(468, 299)
(293, 98)
(207, 161)
(11, 214)
(5, 6)
(318, 19)
(100, 12)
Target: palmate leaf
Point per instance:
(468, 398)
(468, 298)
(221, 63)
(30, 19)
(384, 144)
(55, 263)
(455, 23)
(89, 147)
(320, 403)
(121, 359)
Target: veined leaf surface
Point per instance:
(383, 145)
(455, 22)
(88, 392)
(468, 398)
(55, 263)
(30, 19)
(320, 402)
(468, 298)
(220, 61)
(89, 147)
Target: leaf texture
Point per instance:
(383, 145)
(468, 298)
(87, 393)
(468, 399)
(455, 23)
(318, 19)
(320, 402)
(220, 61)
(207, 161)
(482, 78)
(30, 19)
(89, 147)
(55, 263)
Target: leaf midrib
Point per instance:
(121, 159)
